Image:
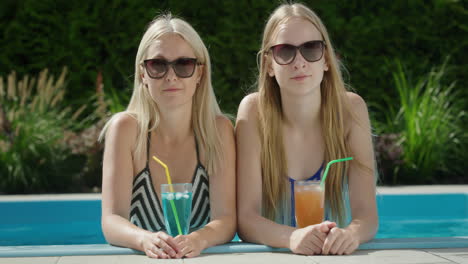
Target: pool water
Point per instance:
(50, 222)
(422, 215)
(423, 228)
(78, 222)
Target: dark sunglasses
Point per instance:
(286, 53)
(158, 68)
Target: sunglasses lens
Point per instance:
(312, 50)
(156, 68)
(284, 53)
(185, 67)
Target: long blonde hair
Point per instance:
(205, 108)
(333, 109)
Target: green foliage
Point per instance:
(116, 102)
(32, 123)
(102, 36)
(429, 119)
(86, 36)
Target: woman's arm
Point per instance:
(363, 226)
(117, 181)
(222, 227)
(252, 226)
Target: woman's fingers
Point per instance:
(334, 249)
(192, 254)
(184, 251)
(329, 241)
(151, 254)
(316, 240)
(313, 248)
(326, 226)
(343, 247)
(321, 236)
(313, 241)
(169, 240)
(158, 252)
(351, 248)
(318, 235)
(165, 247)
(306, 249)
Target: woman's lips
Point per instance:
(171, 90)
(300, 77)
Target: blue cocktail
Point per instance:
(177, 207)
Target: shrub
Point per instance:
(429, 118)
(32, 123)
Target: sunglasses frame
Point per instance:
(172, 65)
(323, 46)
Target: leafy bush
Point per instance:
(430, 121)
(44, 145)
(33, 121)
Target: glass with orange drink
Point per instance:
(308, 198)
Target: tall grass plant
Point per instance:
(428, 121)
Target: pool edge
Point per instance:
(233, 247)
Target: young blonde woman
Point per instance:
(173, 115)
(301, 118)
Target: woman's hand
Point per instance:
(159, 245)
(189, 246)
(310, 240)
(340, 241)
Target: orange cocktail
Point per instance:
(308, 197)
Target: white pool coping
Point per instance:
(422, 189)
(413, 189)
(228, 248)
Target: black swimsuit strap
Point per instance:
(148, 149)
(196, 148)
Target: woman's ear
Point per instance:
(269, 66)
(142, 75)
(143, 80)
(200, 72)
(325, 64)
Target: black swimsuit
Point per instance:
(146, 210)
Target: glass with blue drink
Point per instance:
(177, 207)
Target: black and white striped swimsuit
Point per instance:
(145, 208)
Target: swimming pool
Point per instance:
(422, 215)
(402, 217)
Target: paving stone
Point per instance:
(457, 255)
(383, 257)
(42, 260)
(415, 256)
(113, 259)
(247, 258)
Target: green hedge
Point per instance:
(93, 36)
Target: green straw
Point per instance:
(172, 190)
(322, 183)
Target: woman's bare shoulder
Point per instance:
(355, 100)
(248, 108)
(358, 113)
(224, 125)
(124, 127)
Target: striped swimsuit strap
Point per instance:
(145, 209)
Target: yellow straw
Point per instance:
(168, 176)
